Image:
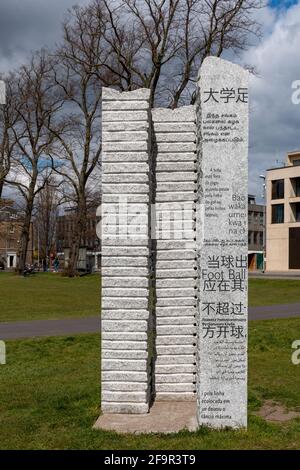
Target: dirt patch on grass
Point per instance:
(276, 412)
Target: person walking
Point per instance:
(56, 265)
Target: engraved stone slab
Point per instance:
(222, 112)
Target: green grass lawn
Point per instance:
(273, 291)
(48, 295)
(45, 296)
(50, 395)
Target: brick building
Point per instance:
(89, 253)
(11, 221)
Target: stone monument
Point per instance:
(222, 122)
(174, 256)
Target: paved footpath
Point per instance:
(291, 275)
(33, 328)
(73, 326)
(271, 312)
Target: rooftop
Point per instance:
(292, 160)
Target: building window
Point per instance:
(296, 211)
(278, 214)
(249, 238)
(258, 238)
(261, 239)
(261, 218)
(296, 162)
(297, 187)
(254, 238)
(278, 189)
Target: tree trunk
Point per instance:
(1, 187)
(25, 235)
(77, 239)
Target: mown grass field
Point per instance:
(273, 291)
(46, 296)
(50, 395)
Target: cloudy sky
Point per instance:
(27, 25)
(274, 119)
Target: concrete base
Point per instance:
(164, 417)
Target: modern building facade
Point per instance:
(283, 215)
(255, 234)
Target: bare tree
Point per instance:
(45, 220)
(36, 105)
(54, 114)
(8, 119)
(211, 28)
(160, 44)
(77, 152)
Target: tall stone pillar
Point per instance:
(125, 252)
(222, 112)
(176, 270)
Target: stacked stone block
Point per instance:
(125, 252)
(176, 269)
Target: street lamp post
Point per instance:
(264, 222)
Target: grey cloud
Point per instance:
(274, 119)
(27, 25)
